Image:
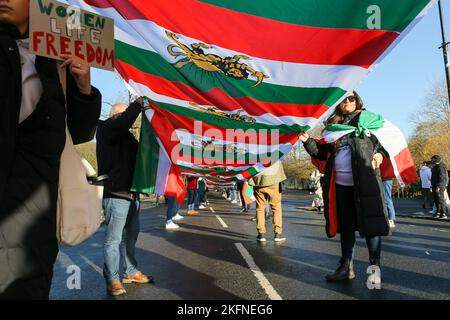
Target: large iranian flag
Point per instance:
(268, 68)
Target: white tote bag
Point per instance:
(79, 203)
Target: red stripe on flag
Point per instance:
(217, 97)
(257, 36)
(405, 166)
(207, 130)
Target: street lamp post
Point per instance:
(444, 49)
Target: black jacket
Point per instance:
(116, 152)
(439, 176)
(368, 189)
(29, 170)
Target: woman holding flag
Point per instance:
(352, 190)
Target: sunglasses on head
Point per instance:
(350, 99)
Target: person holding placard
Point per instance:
(32, 137)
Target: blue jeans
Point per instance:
(192, 194)
(235, 195)
(348, 240)
(172, 208)
(122, 230)
(387, 186)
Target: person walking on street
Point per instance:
(34, 111)
(240, 186)
(425, 180)
(439, 182)
(172, 213)
(234, 192)
(116, 154)
(192, 186)
(387, 190)
(387, 176)
(201, 190)
(316, 185)
(268, 184)
(352, 189)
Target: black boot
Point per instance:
(343, 272)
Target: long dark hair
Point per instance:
(338, 116)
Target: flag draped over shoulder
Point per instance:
(264, 69)
(389, 136)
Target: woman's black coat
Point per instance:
(368, 190)
(29, 166)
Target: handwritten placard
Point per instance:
(58, 29)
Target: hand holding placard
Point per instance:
(58, 30)
(81, 72)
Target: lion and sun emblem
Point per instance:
(230, 66)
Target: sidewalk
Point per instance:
(412, 208)
(404, 207)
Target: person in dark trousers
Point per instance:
(240, 186)
(352, 190)
(116, 155)
(32, 137)
(192, 186)
(439, 183)
(427, 192)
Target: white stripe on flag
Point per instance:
(163, 172)
(393, 141)
(164, 162)
(267, 118)
(258, 147)
(149, 36)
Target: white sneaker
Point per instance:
(234, 201)
(202, 207)
(177, 217)
(171, 226)
(391, 224)
(374, 281)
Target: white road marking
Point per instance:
(440, 230)
(265, 284)
(93, 265)
(221, 221)
(212, 210)
(308, 265)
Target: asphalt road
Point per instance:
(212, 258)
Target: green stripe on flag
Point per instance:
(146, 170)
(252, 171)
(395, 14)
(235, 157)
(227, 123)
(367, 121)
(248, 191)
(153, 63)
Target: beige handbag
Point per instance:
(79, 204)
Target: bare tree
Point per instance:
(431, 126)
